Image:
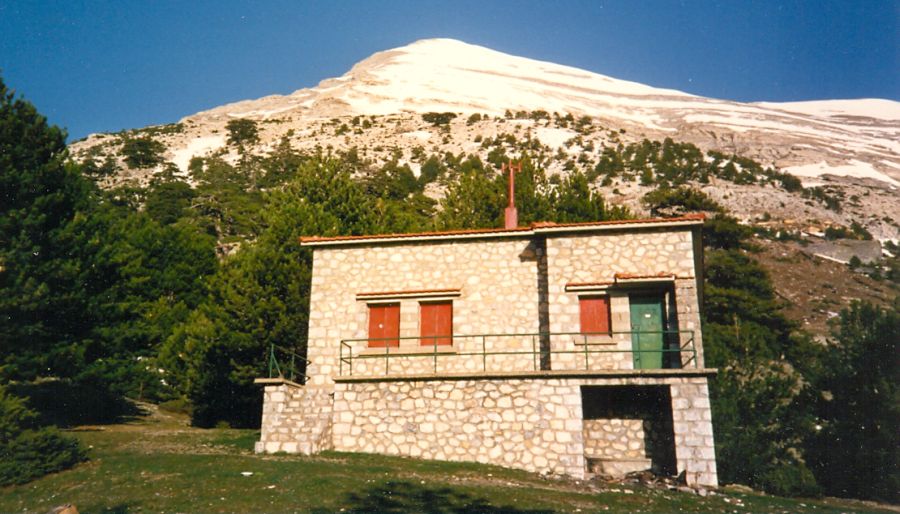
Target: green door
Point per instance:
(647, 331)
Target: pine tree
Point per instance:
(42, 207)
(261, 296)
(856, 453)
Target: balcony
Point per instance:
(545, 353)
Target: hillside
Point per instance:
(570, 115)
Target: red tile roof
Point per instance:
(536, 227)
(320, 239)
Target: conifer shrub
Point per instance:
(142, 152)
(438, 118)
(27, 451)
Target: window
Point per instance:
(594, 314)
(436, 323)
(384, 325)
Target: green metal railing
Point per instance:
(678, 345)
(287, 364)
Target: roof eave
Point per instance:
(535, 229)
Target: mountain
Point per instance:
(852, 137)
(849, 145)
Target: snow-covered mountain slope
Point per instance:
(858, 138)
(849, 147)
(865, 108)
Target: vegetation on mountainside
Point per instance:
(438, 118)
(142, 152)
(121, 292)
(760, 419)
(242, 132)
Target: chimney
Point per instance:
(511, 215)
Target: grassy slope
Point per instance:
(158, 464)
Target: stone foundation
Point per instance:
(541, 424)
(528, 424)
(694, 445)
(295, 419)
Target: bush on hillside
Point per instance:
(28, 452)
(438, 118)
(677, 201)
(142, 152)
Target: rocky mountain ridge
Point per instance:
(849, 148)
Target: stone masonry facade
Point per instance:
(511, 291)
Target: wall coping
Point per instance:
(276, 381)
(545, 375)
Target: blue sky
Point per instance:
(104, 66)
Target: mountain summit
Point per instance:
(449, 75)
(858, 138)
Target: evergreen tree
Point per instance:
(573, 201)
(152, 277)
(168, 198)
(473, 201)
(42, 207)
(759, 416)
(142, 152)
(242, 132)
(856, 453)
(261, 296)
(42, 294)
(28, 451)
(667, 201)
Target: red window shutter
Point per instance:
(384, 325)
(594, 314)
(436, 320)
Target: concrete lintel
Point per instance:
(275, 381)
(546, 375)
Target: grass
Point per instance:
(156, 463)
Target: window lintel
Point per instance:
(424, 294)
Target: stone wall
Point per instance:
(496, 288)
(535, 424)
(692, 419)
(528, 424)
(628, 428)
(616, 446)
(295, 419)
(497, 285)
(601, 258)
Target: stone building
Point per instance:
(563, 348)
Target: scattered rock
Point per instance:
(67, 508)
(739, 488)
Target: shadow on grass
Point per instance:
(242, 441)
(65, 403)
(399, 497)
(121, 508)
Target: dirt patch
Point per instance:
(815, 289)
